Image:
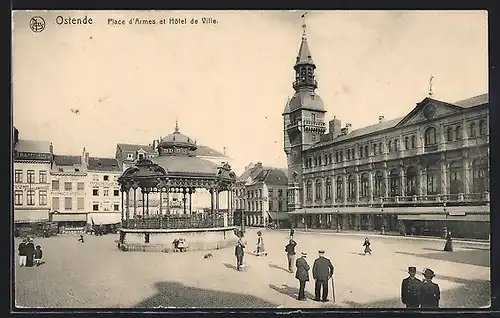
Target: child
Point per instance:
(366, 244)
(38, 255)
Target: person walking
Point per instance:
(81, 238)
(430, 294)
(302, 275)
(22, 252)
(292, 231)
(239, 251)
(290, 254)
(322, 272)
(411, 289)
(367, 244)
(448, 247)
(260, 250)
(38, 255)
(30, 250)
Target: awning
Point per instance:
(30, 216)
(69, 217)
(278, 215)
(414, 210)
(340, 210)
(444, 217)
(104, 218)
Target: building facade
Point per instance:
(69, 191)
(260, 196)
(32, 161)
(104, 201)
(417, 174)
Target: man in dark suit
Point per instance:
(322, 272)
(410, 289)
(430, 293)
(302, 275)
(290, 254)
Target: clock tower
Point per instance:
(304, 121)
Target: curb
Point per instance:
(376, 234)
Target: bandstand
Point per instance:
(175, 171)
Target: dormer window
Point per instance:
(130, 156)
(77, 169)
(141, 156)
(61, 170)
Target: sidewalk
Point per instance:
(387, 235)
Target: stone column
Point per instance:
(334, 189)
(465, 133)
(403, 179)
(466, 172)
(386, 181)
(444, 175)
(344, 187)
(356, 180)
(370, 184)
(421, 181)
(323, 190)
(313, 190)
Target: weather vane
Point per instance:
(303, 17)
(430, 86)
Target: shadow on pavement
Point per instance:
(470, 294)
(230, 266)
(471, 257)
(279, 267)
(433, 249)
(172, 294)
(357, 253)
(292, 292)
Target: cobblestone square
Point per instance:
(96, 274)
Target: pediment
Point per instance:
(428, 110)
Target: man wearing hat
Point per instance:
(410, 289)
(322, 272)
(302, 274)
(430, 293)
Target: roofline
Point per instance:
(395, 127)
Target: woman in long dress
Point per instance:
(30, 252)
(448, 247)
(260, 245)
(367, 244)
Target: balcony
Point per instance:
(461, 198)
(314, 123)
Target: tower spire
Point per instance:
(430, 86)
(304, 25)
(176, 125)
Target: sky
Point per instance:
(227, 83)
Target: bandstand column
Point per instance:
(217, 206)
(127, 207)
(161, 199)
(212, 200)
(147, 202)
(135, 202)
(143, 203)
(184, 201)
(123, 210)
(168, 201)
(190, 201)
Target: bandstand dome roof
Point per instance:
(176, 139)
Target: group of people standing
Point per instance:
(322, 271)
(29, 255)
(416, 293)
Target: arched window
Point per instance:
(361, 152)
(472, 130)
(348, 154)
(351, 187)
(456, 184)
(378, 190)
(380, 149)
(367, 153)
(411, 181)
(430, 136)
(433, 180)
(318, 190)
(309, 190)
(394, 182)
(339, 188)
(449, 134)
(482, 127)
(396, 144)
(328, 188)
(407, 143)
(480, 175)
(364, 186)
(389, 146)
(413, 142)
(458, 132)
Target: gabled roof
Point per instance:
(473, 101)
(276, 176)
(103, 164)
(61, 160)
(36, 146)
(134, 148)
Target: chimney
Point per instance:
(347, 129)
(258, 165)
(381, 119)
(224, 150)
(335, 126)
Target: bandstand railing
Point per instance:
(176, 221)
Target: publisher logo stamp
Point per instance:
(37, 24)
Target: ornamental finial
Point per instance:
(304, 26)
(176, 125)
(430, 86)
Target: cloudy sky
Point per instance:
(227, 83)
